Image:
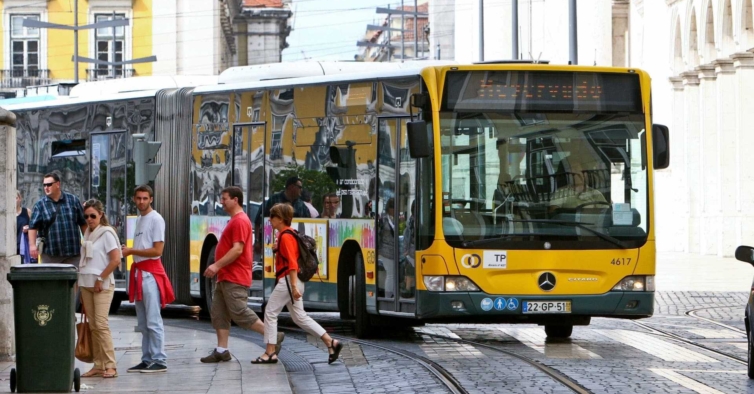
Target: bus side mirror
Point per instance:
(661, 146)
(418, 141)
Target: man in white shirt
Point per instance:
(149, 288)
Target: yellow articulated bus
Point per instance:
(515, 192)
(512, 192)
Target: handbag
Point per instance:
(84, 351)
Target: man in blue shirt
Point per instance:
(59, 218)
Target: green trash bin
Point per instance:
(45, 327)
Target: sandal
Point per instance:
(114, 374)
(93, 373)
(268, 360)
(336, 347)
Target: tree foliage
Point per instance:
(318, 183)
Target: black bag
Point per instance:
(308, 262)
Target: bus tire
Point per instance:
(209, 284)
(558, 331)
(363, 325)
(348, 313)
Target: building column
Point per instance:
(727, 239)
(693, 165)
(8, 257)
(691, 154)
(709, 160)
(744, 118)
(677, 204)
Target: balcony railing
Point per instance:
(99, 74)
(21, 78)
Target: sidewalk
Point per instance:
(690, 272)
(186, 374)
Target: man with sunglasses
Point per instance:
(59, 218)
(290, 195)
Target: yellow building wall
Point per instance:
(60, 42)
(141, 36)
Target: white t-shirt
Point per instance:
(99, 261)
(150, 228)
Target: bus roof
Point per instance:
(109, 90)
(28, 99)
(304, 73)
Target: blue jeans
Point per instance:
(150, 322)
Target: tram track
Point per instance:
(692, 313)
(554, 374)
(441, 374)
(676, 337)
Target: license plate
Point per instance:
(547, 307)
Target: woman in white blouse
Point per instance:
(100, 256)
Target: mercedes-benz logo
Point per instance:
(546, 281)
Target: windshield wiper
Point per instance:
(581, 225)
(466, 244)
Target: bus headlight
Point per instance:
(636, 283)
(449, 283)
(459, 283)
(434, 283)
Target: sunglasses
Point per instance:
(48, 184)
(92, 216)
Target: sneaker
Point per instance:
(216, 357)
(154, 368)
(138, 368)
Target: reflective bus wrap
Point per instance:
(488, 193)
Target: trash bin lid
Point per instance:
(42, 272)
(43, 268)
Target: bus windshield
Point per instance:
(528, 180)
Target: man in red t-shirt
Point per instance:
(233, 269)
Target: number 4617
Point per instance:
(621, 261)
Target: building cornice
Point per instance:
(724, 66)
(690, 78)
(676, 82)
(706, 72)
(743, 60)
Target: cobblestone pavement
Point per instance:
(608, 356)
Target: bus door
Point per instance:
(395, 233)
(109, 180)
(248, 174)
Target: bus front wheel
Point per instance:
(363, 325)
(558, 331)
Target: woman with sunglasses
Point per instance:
(100, 256)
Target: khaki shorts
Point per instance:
(229, 303)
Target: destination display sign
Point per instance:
(541, 91)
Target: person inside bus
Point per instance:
(407, 268)
(386, 250)
(576, 193)
(330, 206)
(306, 197)
(290, 195)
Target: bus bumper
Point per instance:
(458, 306)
